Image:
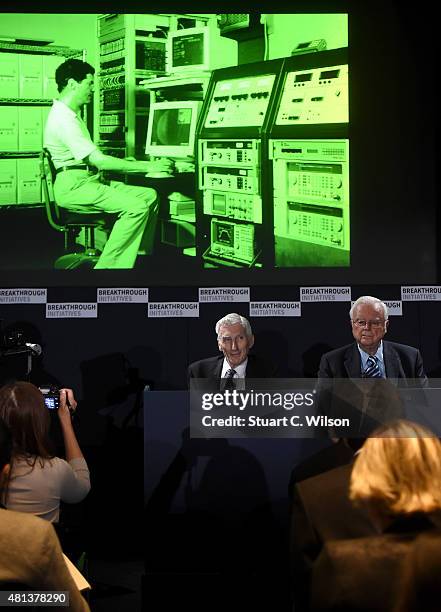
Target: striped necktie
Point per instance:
(372, 369)
(229, 379)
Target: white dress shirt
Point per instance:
(66, 136)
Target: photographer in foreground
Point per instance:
(31, 554)
(39, 480)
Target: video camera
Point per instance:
(12, 342)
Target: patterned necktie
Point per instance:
(229, 379)
(372, 368)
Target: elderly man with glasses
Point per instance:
(371, 356)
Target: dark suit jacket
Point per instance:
(369, 402)
(400, 360)
(210, 369)
(363, 574)
(321, 511)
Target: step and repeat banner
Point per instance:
(155, 307)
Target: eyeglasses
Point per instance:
(374, 324)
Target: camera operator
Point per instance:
(31, 554)
(39, 480)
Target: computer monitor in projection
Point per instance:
(172, 128)
(199, 49)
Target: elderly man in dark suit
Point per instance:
(368, 374)
(371, 356)
(235, 339)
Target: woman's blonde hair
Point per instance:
(398, 470)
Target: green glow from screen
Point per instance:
(309, 224)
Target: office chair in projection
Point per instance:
(71, 223)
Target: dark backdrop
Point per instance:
(100, 357)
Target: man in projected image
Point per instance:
(371, 356)
(234, 339)
(79, 189)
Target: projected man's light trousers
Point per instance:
(136, 207)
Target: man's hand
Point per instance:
(161, 165)
(147, 167)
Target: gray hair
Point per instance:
(371, 301)
(233, 319)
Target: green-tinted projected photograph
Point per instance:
(198, 141)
